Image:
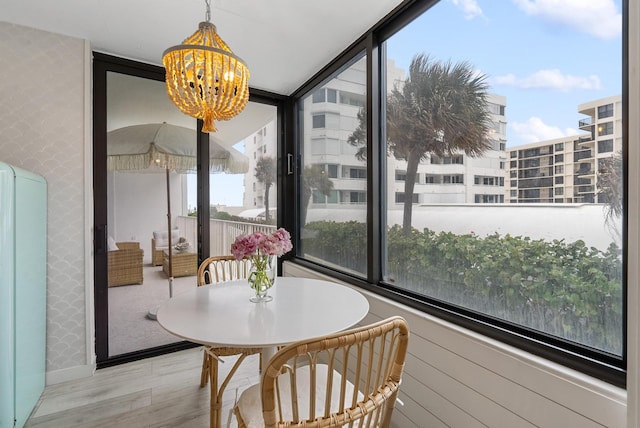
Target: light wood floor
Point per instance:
(157, 392)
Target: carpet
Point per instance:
(129, 328)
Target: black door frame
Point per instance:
(103, 63)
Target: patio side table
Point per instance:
(185, 263)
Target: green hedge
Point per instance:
(561, 288)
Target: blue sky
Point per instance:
(226, 189)
(545, 56)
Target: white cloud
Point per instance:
(534, 130)
(551, 79)
(507, 80)
(470, 8)
(600, 18)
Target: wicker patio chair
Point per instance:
(348, 379)
(214, 270)
(124, 265)
(160, 242)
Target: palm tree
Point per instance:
(439, 109)
(609, 185)
(265, 173)
(314, 178)
(359, 136)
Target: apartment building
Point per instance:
(565, 170)
(260, 144)
(330, 115)
(457, 178)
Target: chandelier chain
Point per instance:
(208, 14)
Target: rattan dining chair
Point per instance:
(348, 379)
(214, 270)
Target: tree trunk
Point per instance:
(304, 205)
(267, 217)
(409, 183)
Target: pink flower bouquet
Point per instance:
(262, 248)
(262, 244)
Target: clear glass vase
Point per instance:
(262, 277)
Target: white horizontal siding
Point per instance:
(457, 378)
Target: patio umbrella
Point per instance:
(163, 148)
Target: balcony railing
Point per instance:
(222, 232)
(582, 123)
(580, 181)
(586, 189)
(585, 154)
(584, 139)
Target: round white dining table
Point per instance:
(222, 314)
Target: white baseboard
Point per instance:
(71, 373)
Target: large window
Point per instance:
(554, 288)
(556, 280)
(256, 187)
(325, 229)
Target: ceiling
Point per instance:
(283, 42)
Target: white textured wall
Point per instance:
(570, 222)
(137, 207)
(42, 129)
(460, 379)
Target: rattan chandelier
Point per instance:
(204, 78)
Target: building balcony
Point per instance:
(586, 139)
(535, 183)
(585, 165)
(581, 180)
(588, 198)
(581, 155)
(586, 124)
(585, 172)
(582, 190)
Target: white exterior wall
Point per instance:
(570, 222)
